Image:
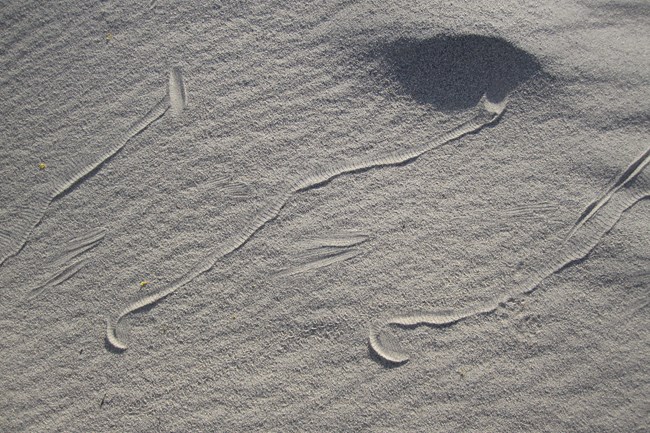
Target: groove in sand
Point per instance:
(336, 240)
(21, 226)
(627, 175)
(59, 277)
(484, 114)
(320, 261)
(578, 246)
(91, 237)
(177, 92)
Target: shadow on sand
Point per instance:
(453, 72)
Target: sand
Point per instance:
(276, 335)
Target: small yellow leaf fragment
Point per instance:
(143, 283)
(462, 372)
(109, 36)
(42, 166)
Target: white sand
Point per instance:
(274, 90)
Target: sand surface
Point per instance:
(276, 90)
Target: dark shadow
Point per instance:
(453, 72)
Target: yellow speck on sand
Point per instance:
(144, 283)
(42, 166)
(462, 372)
(109, 36)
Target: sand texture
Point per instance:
(411, 216)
